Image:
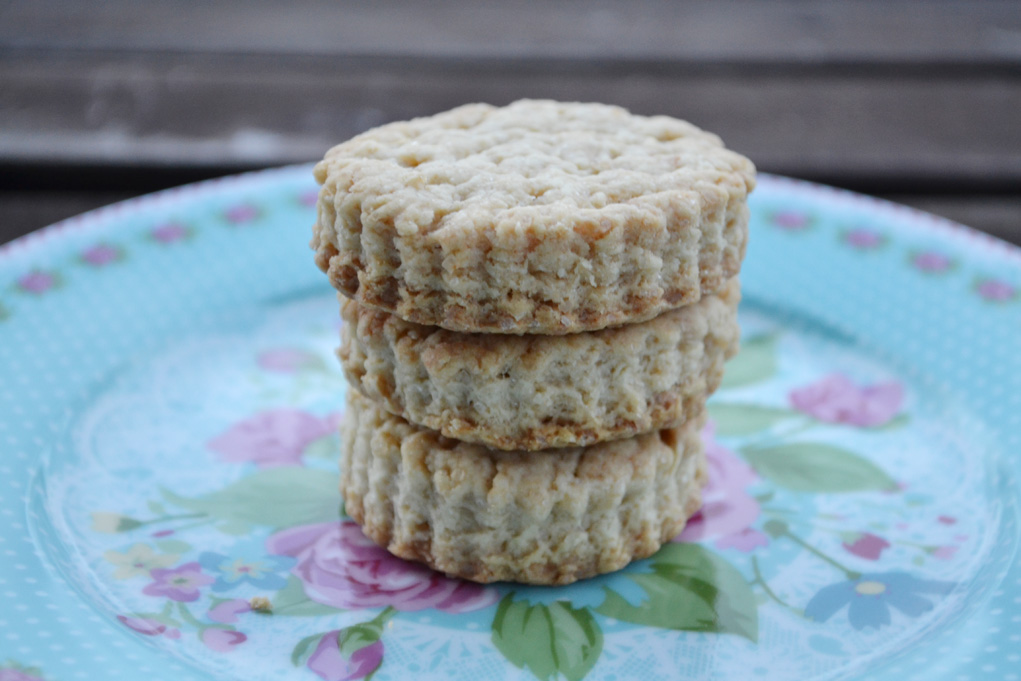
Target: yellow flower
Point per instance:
(138, 561)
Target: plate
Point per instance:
(168, 503)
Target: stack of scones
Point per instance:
(537, 301)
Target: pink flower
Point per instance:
(101, 254)
(142, 625)
(308, 198)
(747, 540)
(147, 627)
(288, 360)
(17, 675)
(227, 612)
(944, 552)
(342, 568)
(995, 291)
(222, 640)
(931, 261)
(864, 239)
(178, 584)
(835, 399)
(946, 520)
(328, 662)
(791, 221)
(38, 282)
(866, 545)
(169, 232)
(244, 212)
(272, 438)
(728, 511)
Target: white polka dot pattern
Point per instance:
(938, 299)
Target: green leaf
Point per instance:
(690, 589)
(547, 639)
(291, 601)
(817, 467)
(128, 524)
(173, 546)
(157, 508)
(352, 639)
(235, 528)
(279, 497)
(742, 419)
(754, 363)
(775, 528)
(301, 650)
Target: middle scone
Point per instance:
(540, 392)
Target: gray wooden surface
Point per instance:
(915, 101)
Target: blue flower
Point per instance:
(262, 572)
(870, 596)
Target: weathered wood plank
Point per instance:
(899, 132)
(893, 31)
(24, 212)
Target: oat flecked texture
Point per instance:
(539, 217)
(534, 517)
(537, 392)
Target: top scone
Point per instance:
(539, 217)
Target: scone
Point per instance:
(534, 517)
(538, 392)
(539, 217)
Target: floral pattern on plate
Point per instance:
(157, 353)
(231, 558)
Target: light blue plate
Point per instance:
(168, 504)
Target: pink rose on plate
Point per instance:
(995, 290)
(341, 567)
(272, 438)
(835, 399)
(932, 262)
(226, 612)
(38, 282)
(101, 254)
(865, 545)
(169, 232)
(143, 625)
(791, 220)
(147, 627)
(728, 511)
(329, 663)
(864, 239)
(244, 212)
(222, 640)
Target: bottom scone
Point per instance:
(548, 517)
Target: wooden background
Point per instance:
(919, 102)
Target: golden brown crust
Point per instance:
(534, 517)
(539, 217)
(539, 392)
